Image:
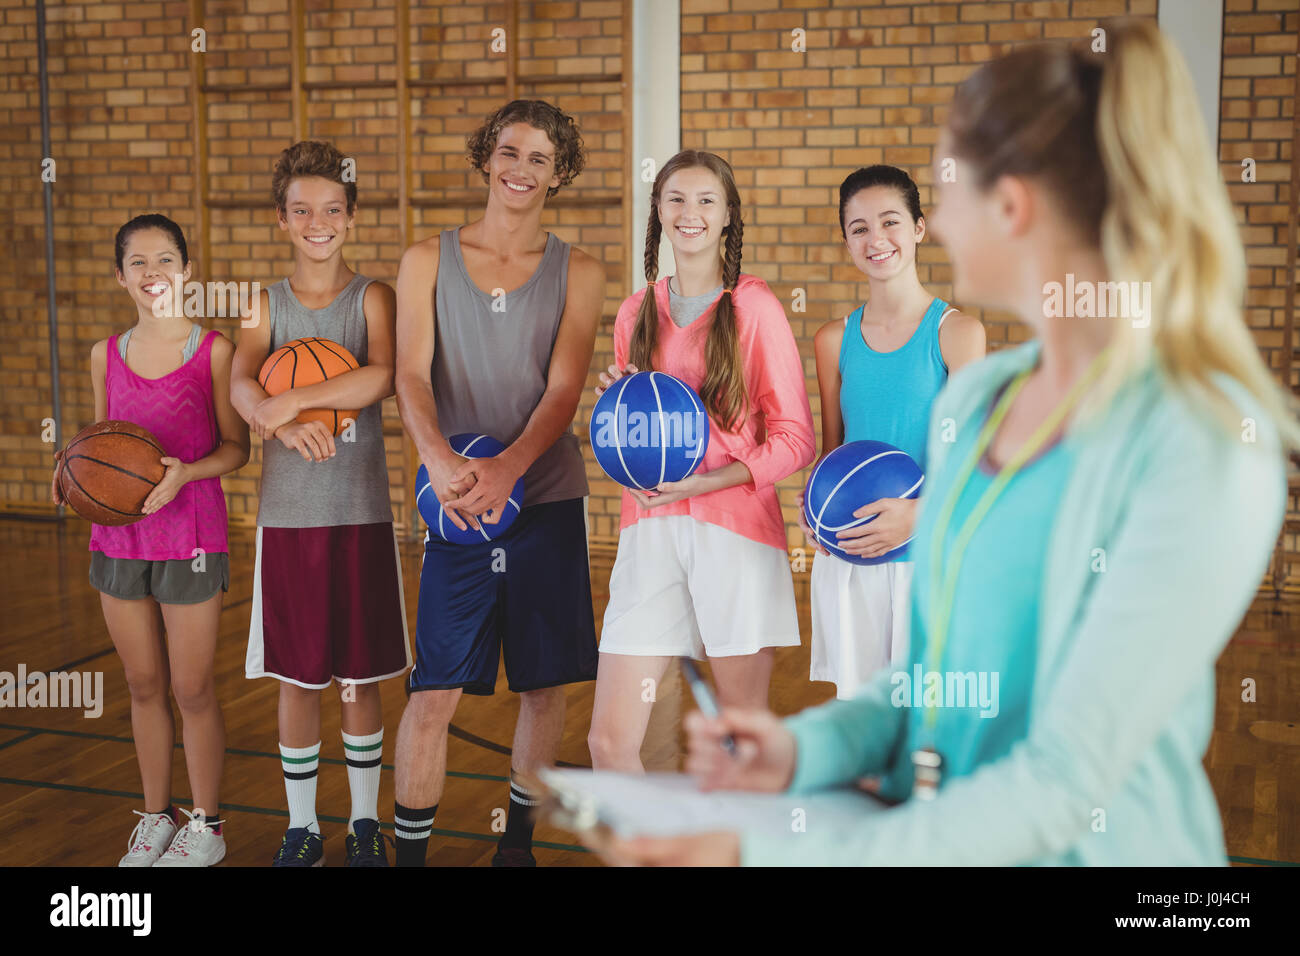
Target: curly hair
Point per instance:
(310, 158)
(560, 128)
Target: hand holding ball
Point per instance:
(853, 475)
(648, 428)
(468, 446)
(309, 362)
(108, 470)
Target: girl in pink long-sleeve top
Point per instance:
(702, 567)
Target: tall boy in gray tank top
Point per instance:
(495, 332)
(327, 583)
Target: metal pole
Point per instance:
(52, 308)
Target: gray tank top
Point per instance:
(351, 487)
(491, 357)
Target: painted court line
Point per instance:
(334, 761)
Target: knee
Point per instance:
(610, 748)
(358, 693)
(146, 686)
(543, 700)
(193, 694)
(430, 711)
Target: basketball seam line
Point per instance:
(663, 447)
(68, 459)
(132, 514)
(618, 445)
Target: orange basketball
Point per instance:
(307, 362)
(108, 470)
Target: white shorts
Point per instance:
(861, 615)
(685, 588)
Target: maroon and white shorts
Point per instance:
(328, 606)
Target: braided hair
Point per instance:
(723, 392)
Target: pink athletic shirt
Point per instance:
(774, 441)
(179, 409)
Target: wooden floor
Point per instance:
(68, 783)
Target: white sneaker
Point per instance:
(195, 844)
(149, 839)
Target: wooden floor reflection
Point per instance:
(68, 783)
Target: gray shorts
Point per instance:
(167, 582)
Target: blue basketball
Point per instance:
(648, 428)
(467, 445)
(851, 476)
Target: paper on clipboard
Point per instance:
(667, 804)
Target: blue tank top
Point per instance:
(992, 646)
(886, 396)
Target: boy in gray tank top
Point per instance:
(327, 584)
(496, 329)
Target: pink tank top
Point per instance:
(178, 408)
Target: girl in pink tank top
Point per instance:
(172, 564)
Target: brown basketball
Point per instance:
(307, 362)
(108, 470)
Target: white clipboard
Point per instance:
(599, 803)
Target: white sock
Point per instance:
(364, 756)
(299, 765)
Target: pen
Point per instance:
(704, 698)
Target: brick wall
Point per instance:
(872, 86)
(1257, 121)
(122, 133)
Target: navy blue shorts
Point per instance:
(528, 593)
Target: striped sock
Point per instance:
(364, 756)
(412, 828)
(300, 765)
(519, 823)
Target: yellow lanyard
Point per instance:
(947, 583)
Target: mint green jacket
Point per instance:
(1186, 514)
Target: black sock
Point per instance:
(170, 810)
(519, 817)
(411, 828)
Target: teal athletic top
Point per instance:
(991, 645)
(1138, 598)
(886, 396)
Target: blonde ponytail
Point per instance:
(1169, 221)
(1117, 139)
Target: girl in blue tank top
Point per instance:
(878, 371)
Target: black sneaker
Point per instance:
(513, 856)
(301, 847)
(366, 847)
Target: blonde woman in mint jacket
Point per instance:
(1102, 504)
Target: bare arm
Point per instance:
(98, 371)
(416, 339)
(961, 340)
(312, 440)
(98, 367)
(826, 347)
(252, 347)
